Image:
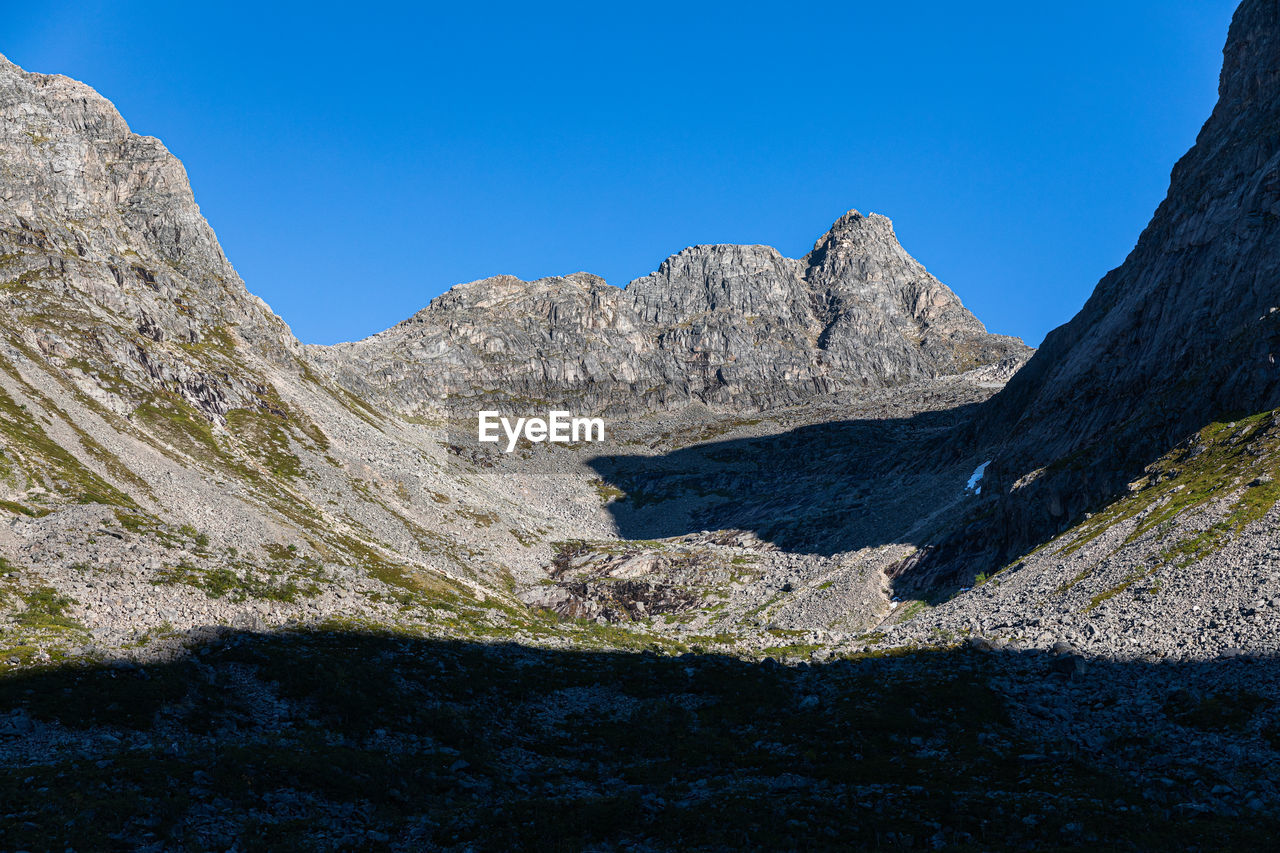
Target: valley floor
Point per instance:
(699, 648)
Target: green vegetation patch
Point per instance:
(239, 584)
(44, 460)
(265, 438)
(46, 609)
(607, 491)
(1240, 456)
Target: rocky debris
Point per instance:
(1183, 567)
(338, 740)
(1114, 598)
(694, 587)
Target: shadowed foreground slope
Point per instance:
(333, 741)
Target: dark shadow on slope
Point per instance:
(1183, 332)
(1036, 496)
(819, 489)
(349, 741)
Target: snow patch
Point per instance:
(976, 478)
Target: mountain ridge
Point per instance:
(728, 325)
(816, 588)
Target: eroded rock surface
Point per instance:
(1186, 332)
(734, 327)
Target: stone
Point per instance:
(1069, 665)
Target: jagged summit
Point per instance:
(101, 234)
(734, 326)
(851, 222)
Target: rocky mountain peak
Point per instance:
(851, 228)
(734, 326)
(99, 230)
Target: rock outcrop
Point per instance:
(1185, 332)
(734, 327)
(100, 236)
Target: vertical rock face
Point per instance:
(737, 327)
(100, 234)
(1186, 331)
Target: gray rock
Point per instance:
(981, 644)
(1070, 665)
(1185, 329)
(737, 326)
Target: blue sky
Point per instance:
(358, 160)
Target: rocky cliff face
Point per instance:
(734, 327)
(100, 236)
(145, 391)
(1185, 332)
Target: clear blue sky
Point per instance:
(358, 159)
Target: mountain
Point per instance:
(161, 425)
(737, 328)
(1184, 334)
(1131, 498)
(101, 234)
(832, 580)
(147, 391)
